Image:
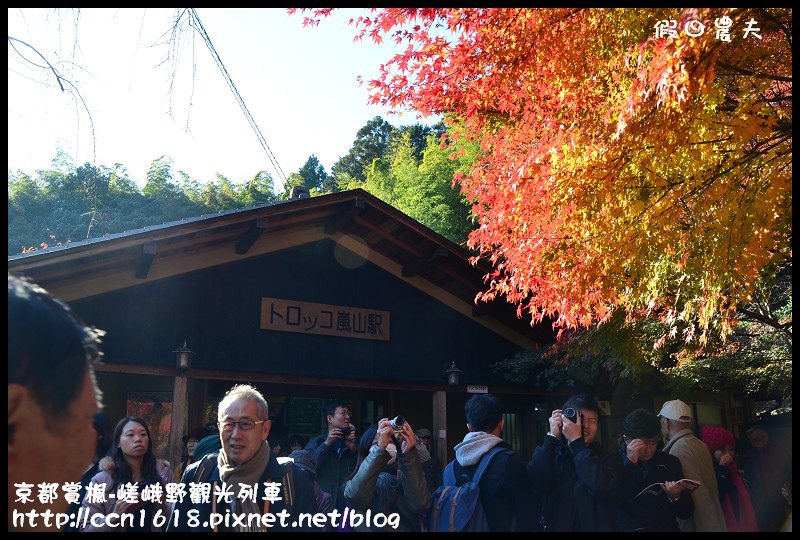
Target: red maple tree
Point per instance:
(636, 159)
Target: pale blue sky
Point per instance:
(298, 83)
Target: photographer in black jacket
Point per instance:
(577, 477)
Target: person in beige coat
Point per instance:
(131, 466)
(676, 427)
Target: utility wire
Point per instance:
(202, 31)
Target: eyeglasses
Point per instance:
(244, 425)
(343, 413)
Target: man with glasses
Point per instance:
(256, 484)
(335, 451)
(676, 427)
(652, 497)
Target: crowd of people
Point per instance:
(662, 476)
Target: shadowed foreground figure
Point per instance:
(52, 400)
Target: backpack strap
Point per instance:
(485, 459)
(453, 510)
(437, 507)
(203, 471)
(449, 475)
(289, 497)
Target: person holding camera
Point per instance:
(335, 450)
(580, 480)
(389, 479)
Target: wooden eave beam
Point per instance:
(413, 268)
(249, 238)
(145, 260)
(493, 309)
(336, 223)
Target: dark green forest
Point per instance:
(70, 202)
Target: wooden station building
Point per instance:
(335, 296)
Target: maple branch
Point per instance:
(756, 74)
(777, 99)
(786, 31)
(769, 321)
(764, 146)
(62, 81)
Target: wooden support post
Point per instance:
(178, 421)
(440, 425)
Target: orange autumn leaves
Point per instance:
(620, 170)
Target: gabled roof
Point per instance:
(357, 220)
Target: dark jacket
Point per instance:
(652, 511)
(580, 484)
(507, 496)
(766, 472)
(74, 526)
(305, 502)
(334, 465)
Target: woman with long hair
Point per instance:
(135, 477)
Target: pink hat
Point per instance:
(716, 437)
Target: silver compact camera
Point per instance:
(397, 424)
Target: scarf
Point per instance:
(249, 474)
(736, 503)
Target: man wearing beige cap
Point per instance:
(676, 426)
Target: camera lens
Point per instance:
(570, 413)
(397, 424)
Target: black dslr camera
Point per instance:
(572, 414)
(346, 431)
